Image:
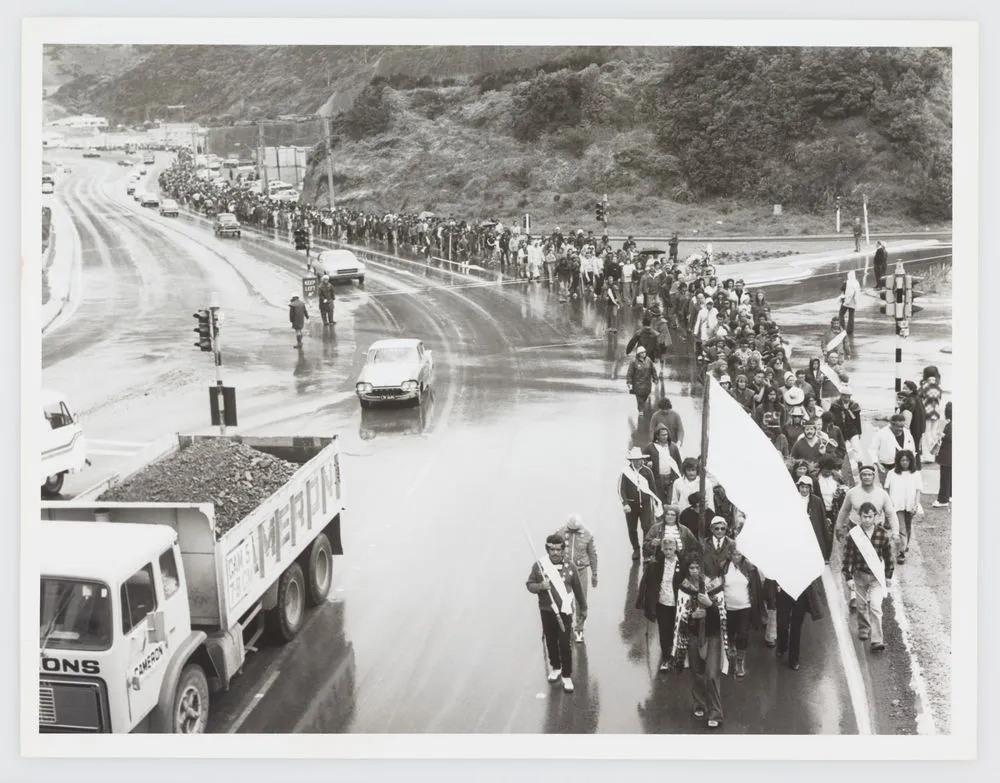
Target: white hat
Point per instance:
(794, 396)
(797, 410)
(635, 453)
(725, 379)
(717, 521)
(804, 480)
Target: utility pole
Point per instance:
(604, 213)
(261, 163)
(223, 407)
(864, 206)
(328, 132)
(838, 214)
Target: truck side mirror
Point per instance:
(156, 628)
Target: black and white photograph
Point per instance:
(550, 386)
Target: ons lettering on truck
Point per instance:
(70, 666)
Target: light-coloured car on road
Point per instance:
(395, 370)
(169, 208)
(340, 265)
(149, 200)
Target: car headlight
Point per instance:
(410, 386)
(363, 388)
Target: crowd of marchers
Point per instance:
(707, 600)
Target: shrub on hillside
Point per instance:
(369, 115)
(572, 141)
(548, 102)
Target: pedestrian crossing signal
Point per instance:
(204, 330)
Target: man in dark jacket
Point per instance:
(555, 579)
(640, 378)
(326, 297)
(847, 417)
(646, 337)
(298, 315)
(881, 265)
(717, 550)
(910, 401)
(636, 490)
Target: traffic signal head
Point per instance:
(204, 330)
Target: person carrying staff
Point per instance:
(556, 583)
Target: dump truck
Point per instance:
(148, 608)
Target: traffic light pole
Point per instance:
(217, 353)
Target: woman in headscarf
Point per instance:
(903, 483)
(849, 303)
(700, 640)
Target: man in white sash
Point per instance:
(868, 568)
(636, 490)
(556, 583)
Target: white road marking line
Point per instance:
(254, 702)
(925, 719)
(848, 653)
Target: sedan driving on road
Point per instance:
(396, 369)
(149, 200)
(227, 225)
(169, 208)
(340, 265)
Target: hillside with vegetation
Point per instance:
(700, 137)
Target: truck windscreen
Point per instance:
(74, 615)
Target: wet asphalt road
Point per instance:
(429, 627)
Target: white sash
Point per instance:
(864, 545)
(643, 486)
(559, 585)
(831, 376)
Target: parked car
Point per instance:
(226, 225)
(149, 200)
(397, 369)
(91, 154)
(130, 189)
(125, 163)
(169, 208)
(340, 265)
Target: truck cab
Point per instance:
(64, 447)
(110, 630)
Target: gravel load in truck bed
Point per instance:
(236, 478)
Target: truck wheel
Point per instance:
(320, 571)
(190, 713)
(53, 484)
(287, 617)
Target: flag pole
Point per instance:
(703, 526)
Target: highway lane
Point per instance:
(430, 627)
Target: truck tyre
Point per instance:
(190, 712)
(319, 575)
(53, 484)
(287, 617)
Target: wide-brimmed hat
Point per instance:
(797, 410)
(635, 453)
(794, 396)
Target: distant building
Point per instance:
(82, 122)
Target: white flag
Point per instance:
(777, 537)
